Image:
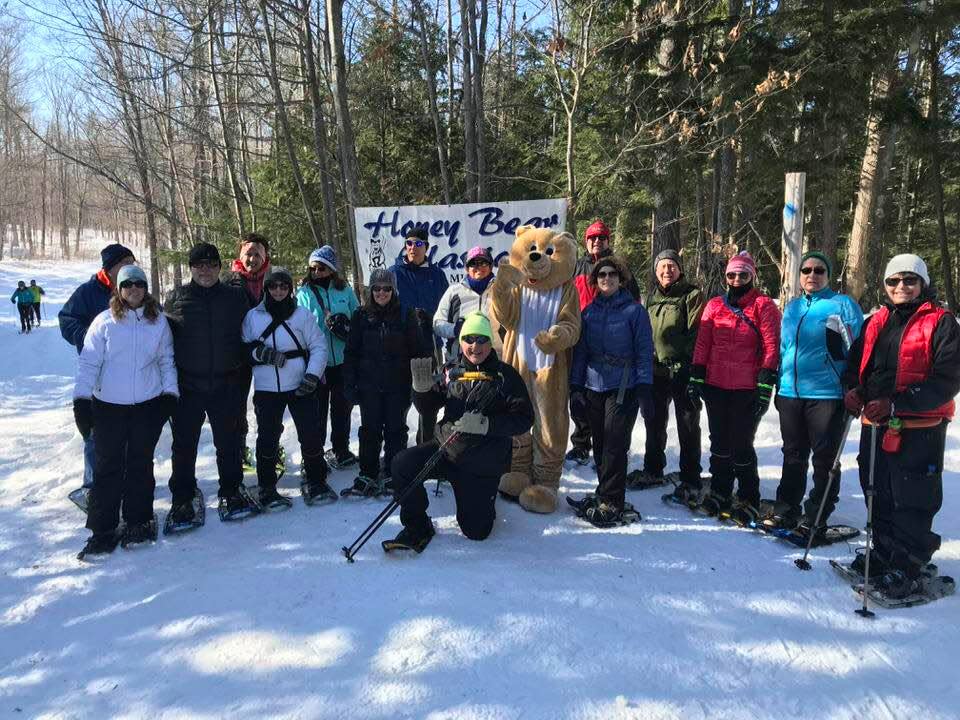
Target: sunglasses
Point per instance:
(603, 274)
(127, 284)
(818, 270)
(908, 281)
(319, 268)
(381, 288)
(475, 339)
(598, 238)
(478, 263)
(206, 264)
(735, 275)
(277, 285)
(416, 243)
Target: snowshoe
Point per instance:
(742, 514)
(578, 456)
(602, 514)
(643, 480)
(341, 462)
(410, 540)
(139, 533)
(270, 500)
(684, 494)
(853, 571)
(713, 505)
(367, 487)
(581, 506)
(186, 516)
(317, 493)
(824, 534)
(238, 506)
(81, 498)
(249, 461)
(895, 590)
(98, 545)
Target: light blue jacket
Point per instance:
(806, 368)
(331, 302)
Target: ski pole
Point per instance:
(863, 611)
(803, 563)
(371, 529)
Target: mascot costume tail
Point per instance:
(536, 303)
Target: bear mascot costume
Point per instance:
(536, 303)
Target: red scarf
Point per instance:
(254, 281)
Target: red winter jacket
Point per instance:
(732, 349)
(916, 352)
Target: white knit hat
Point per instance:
(907, 262)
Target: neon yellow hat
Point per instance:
(476, 323)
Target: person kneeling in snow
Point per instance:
(475, 435)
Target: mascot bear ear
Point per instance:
(523, 228)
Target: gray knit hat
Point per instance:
(382, 276)
(909, 263)
(668, 254)
(278, 273)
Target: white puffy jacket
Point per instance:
(304, 326)
(126, 361)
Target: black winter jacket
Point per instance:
(381, 343)
(207, 335)
(510, 413)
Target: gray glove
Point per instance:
(268, 356)
(422, 371)
(308, 386)
(472, 423)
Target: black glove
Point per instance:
(698, 375)
(645, 395)
(766, 383)
(457, 327)
(83, 416)
(268, 356)
(339, 325)
(455, 447)
(168, 405)
(308, 386)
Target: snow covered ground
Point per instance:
(672, 617)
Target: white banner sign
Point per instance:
(452, 229)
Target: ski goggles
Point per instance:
(475, 339)
(818, 270)
(127, 284)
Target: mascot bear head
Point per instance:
(545, 258)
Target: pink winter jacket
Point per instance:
(732, 350)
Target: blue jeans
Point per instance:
(88, 460)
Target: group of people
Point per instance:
(27, 298)
(312, 348)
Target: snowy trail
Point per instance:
(672, 617)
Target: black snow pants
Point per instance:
(580, 415)
(665, 390)
(730, 417)
(331, 401)
(475, 494)
(225, 408)
(909, 492)
(26, 317)
(612, 426)
(124, 437)
(269, 407)
(809, 426)
(383, 421)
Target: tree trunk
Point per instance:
(936, 178)
(432, 97)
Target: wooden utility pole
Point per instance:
(791, 240)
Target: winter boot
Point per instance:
(642, 480)
(139, 533)
(685, 494)
(99, 544)
(606, 515)
(365, 486)
(238, 505)
(271, 499)
(743, 514)
(713, 505)
(411, 539)
(780, 516)
(317, 492)
(898, 584)
(340, 462)
(578, 456)
(878, 565)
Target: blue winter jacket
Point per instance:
(321, 302)
(806, 368)
(614, 330)
(87, 301)
(419, 286)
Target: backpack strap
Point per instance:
(738, 311)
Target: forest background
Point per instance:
(166, 122)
